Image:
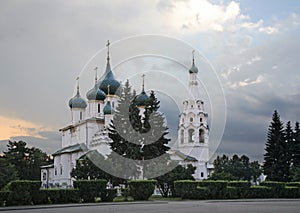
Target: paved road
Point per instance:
(236, 206)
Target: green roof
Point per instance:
(71, 149)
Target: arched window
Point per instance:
(200, 119)
(182, 136)
(191, 119)
(201, 135)
(99, 108)
(191, 135)
(80, 116)
(113, 104)
(44, 176)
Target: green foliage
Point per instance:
(185, 188)
(216, 189)
(277, 188)
(291, 192)
(141, 189)
(108, 195)
(89, 189)
(138, 138)
(294, 184)
(235, 168)
(27, 161)
(240, 184)
(8, 172)
(165, 182)
(4, 196)
(55, 196)
(260, 192)
(23, 192)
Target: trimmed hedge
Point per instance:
(186, 189)
(260, 192)
(216, 189)
(23, 192)
(4, 196)
(276, 187)
(141, 189)
(108, 195)
(295, 184)
(90, 189)
(54, 196)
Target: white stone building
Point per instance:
(89, 129)
(193, 131)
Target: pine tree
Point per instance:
(138, 138)
(296, 146)
(275, 166)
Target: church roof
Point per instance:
(185, 157)
(71, 149)
(96, 94)
(77, 102)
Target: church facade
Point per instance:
(91, 117)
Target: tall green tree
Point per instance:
(296, 146)
(235, 168)
(138, 137)
(275, 165)
(8, 172)
(27, 161)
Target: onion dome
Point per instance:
(142, 99)
(193, 69)
(108, 78)
(95, 93)
(77, 101)
(108, 110)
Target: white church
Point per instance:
(91, 117)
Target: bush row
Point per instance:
(141, 189)
(29, 193)
(187, 189)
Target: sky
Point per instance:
(252, 45)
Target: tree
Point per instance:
(138, 137)
(275, 161)
(27, 161)
(296, 146)
(165, 183)
(235, 168)
(8, 172)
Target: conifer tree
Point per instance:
(275, 166)
(138, 137)
(296, 146)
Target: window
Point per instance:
(201, 135)
(98, 108)
(200, 119)
(80, 116)
(202, 174)
(191, 135)
(55, 171)
(192, 106)
(113, 104)
(44, 176)
(182, 136)
(191, 119)
(61, 170)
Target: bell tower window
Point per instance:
(191, 135)
(191, 119)
(98, 108)
(182, 136)
(201, 136)
(200, 119)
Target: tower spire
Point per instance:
(96, 68)
(193, 54)
(77, 79)
(143, 83)
(107, 45)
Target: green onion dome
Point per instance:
(96, 94)
(77, 102)
(142, 99)
(193, 69)
(108, 110)
(109, 79)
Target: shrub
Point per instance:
(295, 184)
(241, 189)
(216, 189)
(276, 187)
(239, 184)
(4, 196)
(54, 196)
(259, 192)
(291, 192)
(141, 189)
(23, 192)
(90, 189)
(108, 195)
(185, 188)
